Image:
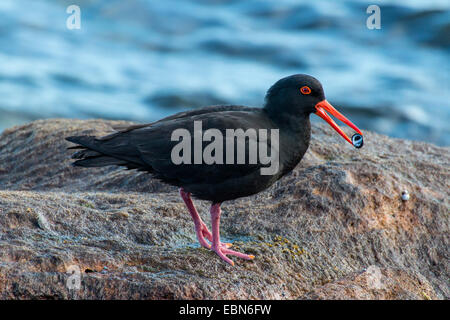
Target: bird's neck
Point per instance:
(295, 135)
(295, 126)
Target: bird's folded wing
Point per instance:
(154, 145)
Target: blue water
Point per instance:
(144, 59)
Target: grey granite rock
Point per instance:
(334, 228)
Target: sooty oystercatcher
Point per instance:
(220, 153)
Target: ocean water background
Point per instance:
(144, 59)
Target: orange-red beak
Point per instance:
(324, 106)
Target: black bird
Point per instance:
(194, 151)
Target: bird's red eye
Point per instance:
(305, 90)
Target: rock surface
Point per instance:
(334, 228)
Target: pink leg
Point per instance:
(220, 250)
(200, 227)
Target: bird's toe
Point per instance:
(222, 252)
(219, 252)
(226, 244)
(239, 254)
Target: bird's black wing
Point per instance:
(155, 145)
(148, 147)
(116, 149)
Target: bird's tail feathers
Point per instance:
(88, 156)
(99, 161)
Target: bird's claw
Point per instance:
(223, 252)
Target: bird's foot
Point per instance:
(200, 227)
(222, 252)
(203, 232)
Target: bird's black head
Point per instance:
(298, 96)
